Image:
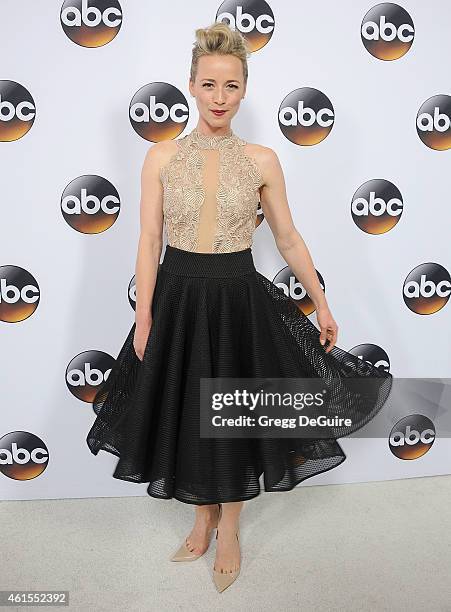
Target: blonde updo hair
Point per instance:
(219, 39)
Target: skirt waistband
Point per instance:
(192, 263)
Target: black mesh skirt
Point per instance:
(215, 315)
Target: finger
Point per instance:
(332, 341)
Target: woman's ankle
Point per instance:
(207, 514)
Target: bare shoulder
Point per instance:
(265, 158)
(261, 153)
(160, 153)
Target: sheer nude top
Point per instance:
(211, 194)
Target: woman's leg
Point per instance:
(227, 548)
(206, 520)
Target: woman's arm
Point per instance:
(150, 239)
(289, 242)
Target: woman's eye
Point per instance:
(231, 85)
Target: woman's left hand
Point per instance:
(329, 329)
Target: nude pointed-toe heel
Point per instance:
(223, 580)
(184, 553)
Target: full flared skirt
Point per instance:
(214, 315)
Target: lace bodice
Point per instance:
(210, 194)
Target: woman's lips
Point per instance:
(218, 113)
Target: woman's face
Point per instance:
(219, 85)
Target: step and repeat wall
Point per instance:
(354, 97)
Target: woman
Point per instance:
(206, 312)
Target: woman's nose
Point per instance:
(219, 97)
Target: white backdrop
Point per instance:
(79, 82)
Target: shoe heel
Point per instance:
(219, 518)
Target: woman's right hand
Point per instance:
(142, 331)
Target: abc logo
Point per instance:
(376, 206)
(387, 31)
(434, 122)
(292, 288)
(253, 18)
(90, 204)
(87, 372)
(19, 294)
(23, 456)
(159, 111)
(17, 111)
(91, 23)
(412, 437)
(306, 116)
(372, 354)
(427, 288)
